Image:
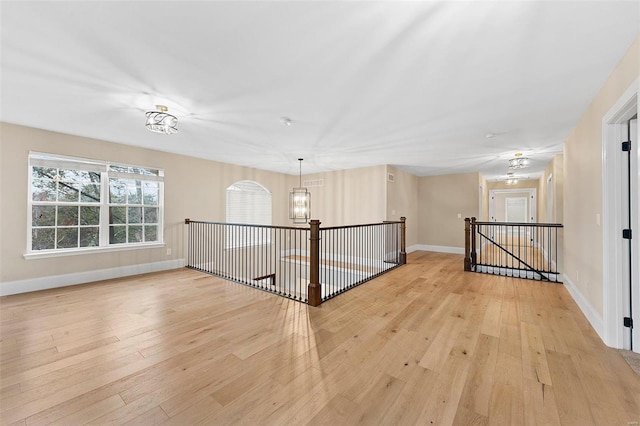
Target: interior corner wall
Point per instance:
(402, 200)
(484, 200)
(194, 188)
(346, 197)
(583, 236)
(555, 170)
(443, 203)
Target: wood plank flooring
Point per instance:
(424, 344)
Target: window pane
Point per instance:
(43, 215)
(117, 234)
(151, 233)
(89, 237)
(73, 175)
(67, 237)
(68, 192)
(89, 215)
(118, 168)
(135, 234)
(150, 215)
(67, 215)
(90, 193)
(150, 193)
(43, 190)
(117, 192)
(43, 239)
(135, 195)
(43, 172)
(117, 215)
(135, 214)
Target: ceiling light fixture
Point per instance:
(300, 202)
(286, 121)
(519, 162)
(161, 122)
(511, 179)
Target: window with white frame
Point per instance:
(85, 204)
(248, 203)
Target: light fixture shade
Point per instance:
(519, 162)
(511, 181)
(161, 121)
(300, 205)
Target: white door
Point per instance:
(516, 209)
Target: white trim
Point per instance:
(42, 254)
(533, 196)
(612, 282)
(413, 248)
(44, 283)
(439, 249)
(587, 309)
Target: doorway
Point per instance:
(498, 205)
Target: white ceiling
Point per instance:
(412, 84)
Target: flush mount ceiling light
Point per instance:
(285, 121)
(511, 179)
(161, 122)
(519, 162)
(300, 202)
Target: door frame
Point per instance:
(533, 206)
(614, 131)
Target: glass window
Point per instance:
(248, 203)
(69, 211)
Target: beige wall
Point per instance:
(484, 200)
(402, 200)
(440, 200)
(347, 197)
(193, 188)
(583, 245)
(555, 170)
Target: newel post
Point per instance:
(467, 244)
(314, 290)
(473, 242)
(403, 240)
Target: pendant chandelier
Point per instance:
(300, 202)
(161, 122)
(519, 162)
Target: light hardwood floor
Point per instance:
(424, 344)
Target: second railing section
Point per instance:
(352, 255)
(309, 265)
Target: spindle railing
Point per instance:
(522, 250)
(309, 265)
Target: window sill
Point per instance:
(90, 250)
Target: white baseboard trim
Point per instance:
(413, 248)
(44, 283)
(440, 249)
(594, 318)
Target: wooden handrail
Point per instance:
(535, 224)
